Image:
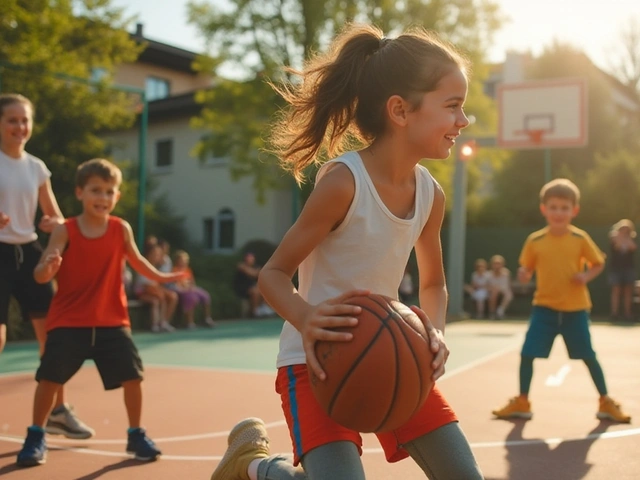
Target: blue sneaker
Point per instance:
(34, 449)
(141, 446)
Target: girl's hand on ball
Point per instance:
(320, 322)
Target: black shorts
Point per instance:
(112, 350)
(17, 263)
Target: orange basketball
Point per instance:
(379, 379)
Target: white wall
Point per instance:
(196, 191)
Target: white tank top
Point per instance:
(369, 249)
(20, 180)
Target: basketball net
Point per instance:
(535, 136)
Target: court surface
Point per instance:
(199, 383)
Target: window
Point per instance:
(156, 88)
(220, 232)
(216, 150)
(226, 228)
(209, 232)
(164, 154)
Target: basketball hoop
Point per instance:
(535, 135)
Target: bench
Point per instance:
(519, 306)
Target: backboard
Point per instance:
(543, 114)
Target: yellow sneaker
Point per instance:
(517, 407)
(247, 441)
(610, 410)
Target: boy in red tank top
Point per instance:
(88, 318)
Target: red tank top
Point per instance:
(90, 287)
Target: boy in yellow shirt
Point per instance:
(564, 259)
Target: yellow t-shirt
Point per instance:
(555, 260)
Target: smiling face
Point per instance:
(16, 123)
(559, 212)
(440, 118)
(98, 196)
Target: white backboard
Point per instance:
(543, 114)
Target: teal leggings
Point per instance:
(443, 454)
(595, 370)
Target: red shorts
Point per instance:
(311, 427)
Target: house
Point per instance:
(220, 214)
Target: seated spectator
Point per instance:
(166, 265)
(245, 284)
(479, 286)
(190, 294)
(163, 300)
(499, 287)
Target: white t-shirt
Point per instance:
(369, 249)
(20, 180)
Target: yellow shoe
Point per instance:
(517, 407)
(247, 441)
(610, 410)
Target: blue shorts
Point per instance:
(625, 276)
(545, 324)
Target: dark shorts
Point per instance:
(112, 350)
(17, 263)
(545, 324)
(626, 276)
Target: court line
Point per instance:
(367, 451)
(202, 436)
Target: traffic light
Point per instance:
(467, 150)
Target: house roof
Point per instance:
(162, 54)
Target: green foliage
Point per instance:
(48, 55)
(254, 39)
(610, 190)
(49, 51)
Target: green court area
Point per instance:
(253, 345)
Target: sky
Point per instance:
(592, 25)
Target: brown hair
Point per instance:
(11, 98)
(98, 167)
(560, 188)
(343, 92)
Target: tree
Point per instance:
(51, 51)
(40, 38)
(254, 39)
(627, 65)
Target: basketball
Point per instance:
(379, 379)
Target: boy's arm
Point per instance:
(595, 261)
(51, 214)
(593, 272)
(51, 258)
(141, 264)
(527, 263)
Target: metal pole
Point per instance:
(457, 237)
(142, 166)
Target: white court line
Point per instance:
(367, 451)
(370, 451)
(557, 379)
(201, 436)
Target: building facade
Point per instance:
(221, 214)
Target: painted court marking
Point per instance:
(556, 379)
(368, 451)
(59, 444)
